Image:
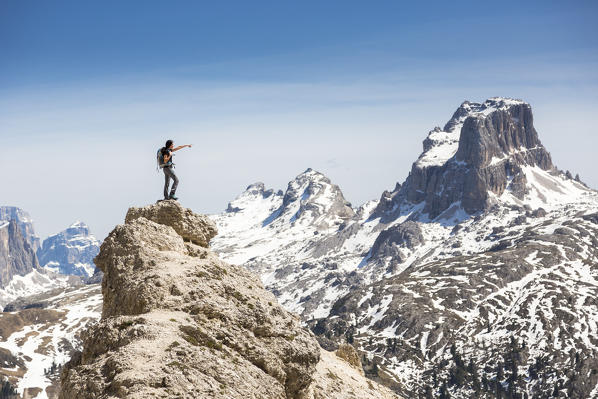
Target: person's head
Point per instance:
(169, 144)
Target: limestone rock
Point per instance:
(349, 354)
(196, 228)
(335, 379)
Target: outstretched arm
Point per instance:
(181, 147)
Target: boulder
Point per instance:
(198, 229)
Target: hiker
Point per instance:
(166, 164)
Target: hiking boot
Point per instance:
(172, 197)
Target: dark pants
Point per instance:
(169, 174)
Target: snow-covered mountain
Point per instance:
(485, 254)
(71, 251)
(37, 281)
(282, 236)
(66, 258)
(38, 337)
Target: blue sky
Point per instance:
(266, 89)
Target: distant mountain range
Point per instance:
(28, 268)
(476, 276)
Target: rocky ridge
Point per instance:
(178, 322)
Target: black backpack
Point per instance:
(160, 160)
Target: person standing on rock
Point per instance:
(165, 162)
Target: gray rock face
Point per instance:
(495, 140)
(17, 256)
(388, 243)
(503, 131)
(70, 251)
(178, 322)
(24, 222)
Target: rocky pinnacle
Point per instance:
(177, 322)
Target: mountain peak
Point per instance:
(256, 187)
(78, 224)
(442, 144)
(311, 174)
(70, 251)
(17, 255)
(485, 150)
(506, 101)
(255, 196)
(468, 108)
(311, 197)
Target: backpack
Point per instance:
(160, 160)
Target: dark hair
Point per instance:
(166, 147)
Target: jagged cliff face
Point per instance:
(178, 322)
(18, 244)
(24, 222)
(70, 251)
(17, 256)
(481, 152)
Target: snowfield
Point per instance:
(48, 337)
